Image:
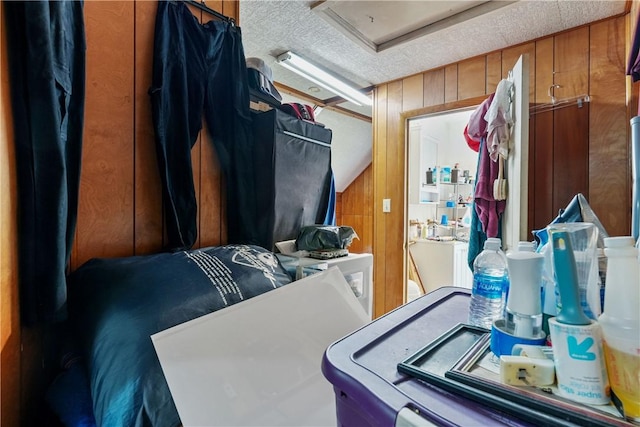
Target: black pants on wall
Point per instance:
(46, 46)
(200, 68)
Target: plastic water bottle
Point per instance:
(490, 285)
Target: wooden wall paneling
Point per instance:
(472, 77)
(412, 92)
(339, 208)
(211, 204)
(355, 222)
(148, 216)
(215, 5)
(571, 63)
(433, 83)
(10, 331)
(412, 98)
(570, 154)
(380, 114)
(105, 214)
(358, 197)
(494, 71)
(541, 172)
(347, 199)
(354, 208)
(510, 57)
(609, 129)
(351, 197)
(451, 83)
(357, 212)
(395, 221)
(368, 237)
(230, 8)
(571, 126)
(367, 176)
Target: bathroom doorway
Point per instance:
(441, 173)
(514, 220)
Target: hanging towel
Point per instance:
(477, 236)
(499, 119)
(477, 127)
(487, 207)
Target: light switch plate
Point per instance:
(386, 205)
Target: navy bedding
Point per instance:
(116, 304)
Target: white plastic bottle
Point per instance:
(490, 285)
(620, 323)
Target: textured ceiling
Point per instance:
(270, 28)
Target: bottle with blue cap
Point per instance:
(490, 285)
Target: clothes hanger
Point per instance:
(202, 6)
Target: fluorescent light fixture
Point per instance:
(320, 77)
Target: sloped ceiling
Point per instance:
(270, 28)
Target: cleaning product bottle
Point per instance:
(620, 323)
(454, 174)
(490, 285)
(524, 308)
(429, 177)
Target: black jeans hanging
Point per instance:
(46, 47)
(200, 68)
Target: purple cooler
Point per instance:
(362, 367)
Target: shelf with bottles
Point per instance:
(454, 212)
(441, 183)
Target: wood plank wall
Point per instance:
(10, 332)
(120, 196)
(354, 208)
(573, 150)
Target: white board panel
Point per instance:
(258, 363)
